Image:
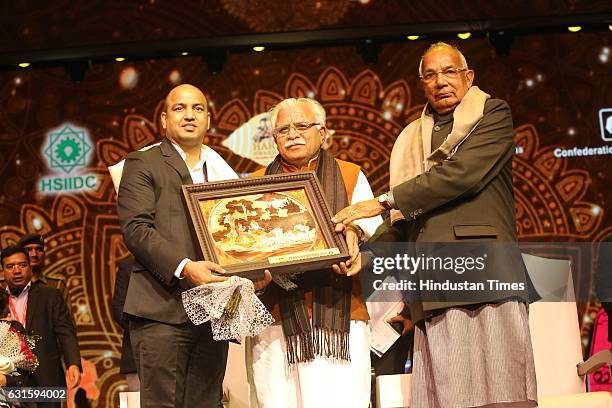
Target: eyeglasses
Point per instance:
(21, 265)
(300, 128)
(449, 73)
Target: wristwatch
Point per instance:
(383, 200)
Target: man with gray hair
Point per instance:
(451, 184)
(318, 355)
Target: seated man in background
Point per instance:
(318, 356)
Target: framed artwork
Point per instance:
(279, 222)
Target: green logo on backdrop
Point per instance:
(67, 149)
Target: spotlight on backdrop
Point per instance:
(77, 70)
(215, 59)
(501, 41)
(369, 50)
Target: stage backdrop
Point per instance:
(58, 137)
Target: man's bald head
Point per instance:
(178, 88)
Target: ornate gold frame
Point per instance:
(195, 193)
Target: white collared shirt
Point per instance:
(20, 303)
(197, 176)
(197, 171)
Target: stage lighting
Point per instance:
(501, 41)
(259, 48)
(24, 64)
(464, 36)
(120, 59)
(215, 59)
(77, 70)
(574, 29)
(369, 50)
(412, 37)
(184, 53)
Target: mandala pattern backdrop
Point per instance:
(557, 200)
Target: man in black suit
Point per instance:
(43, 312)
(35, 245)
(127, 365)
(451, 185)
(178, 363)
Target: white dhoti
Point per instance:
(318, 383)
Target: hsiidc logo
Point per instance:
(68, 150)
(605, 124)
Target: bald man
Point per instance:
(178, 363)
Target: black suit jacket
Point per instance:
(469, 198)
(122, 279)
(156, 230)
(48, 318)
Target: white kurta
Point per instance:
(321, 382)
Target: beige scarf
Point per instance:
(412, 155)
